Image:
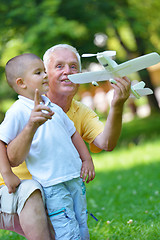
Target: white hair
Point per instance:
(47, 54)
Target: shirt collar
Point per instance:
(73, 109)
(30, 103)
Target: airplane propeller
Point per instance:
(106, 53)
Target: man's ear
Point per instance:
(20, 83)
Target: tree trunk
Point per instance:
(151, 98)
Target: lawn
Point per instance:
(125, 195)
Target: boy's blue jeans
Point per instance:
(66, 205)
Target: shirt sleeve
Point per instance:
(10, 127)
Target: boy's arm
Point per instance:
(10, 179)
(19, 147)
(87, 163)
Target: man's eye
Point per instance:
(59, 66)
(74, 67)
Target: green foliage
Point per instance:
(140, 131)
(44, 23)
(131, 27)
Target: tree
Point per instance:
(113, 18)
(132, 27)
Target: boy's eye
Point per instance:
(38, 72)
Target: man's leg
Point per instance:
(24, 212)
(33, 218)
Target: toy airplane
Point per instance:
(112, 70)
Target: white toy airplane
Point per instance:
(112, 70)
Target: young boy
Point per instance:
(54, 152)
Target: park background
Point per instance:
(125, 195)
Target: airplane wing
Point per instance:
(136, 64)
(121, 70)
(88, 77)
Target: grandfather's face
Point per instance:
(62, 63)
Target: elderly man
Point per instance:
(60, 61)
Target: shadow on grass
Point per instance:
(120, 195)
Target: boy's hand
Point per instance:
(87, 170)
(40, 114)
(11, 181)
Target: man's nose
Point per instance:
(67, 69)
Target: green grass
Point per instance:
(127, 186)
(8, 235)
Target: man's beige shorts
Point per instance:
(12, 204)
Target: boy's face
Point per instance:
(35, 77)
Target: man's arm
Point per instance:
(18, 148)
(107, 140)
(87, 163)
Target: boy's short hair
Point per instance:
(16, 66)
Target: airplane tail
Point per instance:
(138, 90)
